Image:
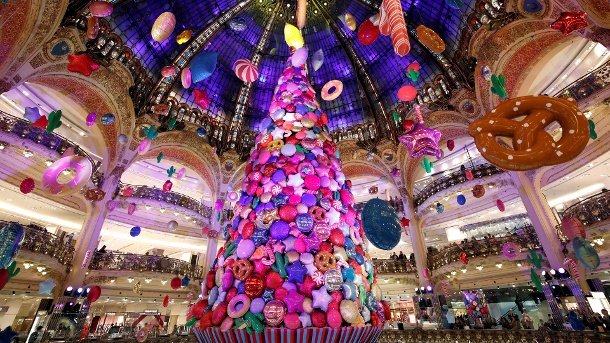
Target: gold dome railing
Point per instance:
(119, 261)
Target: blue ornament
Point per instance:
(185, 281)
(455, 4)
(461, 199)
(268, 295)
(201, 132)
(135, 231)
(108, 119)
(259, 237)
(348, 274)
(203, 65)
(11, 237)
(60, 48)
(585, 253)
(532, 6)
(46, 287)
(440, 208)
(122, 139)
(381, 225)
(296, 272)
(213, 295)
(32, 114)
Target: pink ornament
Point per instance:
(169, 71)
(219, 205)
(181, 173)
(422, 141)
(245, 70)
(274, 312)
(299, 57)
(500, 205)
(291, 320)
(202, 99)
(91, 117)
(186, 78)
(111, 205)
(131, 208)
(205, 230)
(572, 228)
(100, 9)
(333, 318)
(407, 93)
(167, 186)
(163, 26)
(144, 146)
(468, 174)
(27, 185)
(127, 191)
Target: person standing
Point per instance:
(35, 336)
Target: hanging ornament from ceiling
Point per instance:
(163, 26)
(381, 224)
(461, 199)
(500, 205)
(427, 165)
(368, 33)
(238, 24)
(293, 36)
(430, 39)
(440, 208)
(169, 71)
(421, 140)
(100, 9)
(82, 64)
(498, 86)
(407, 93)
(184, 36)
(413, 71)
(572, 228)
(532, 147)
(592, 133)
(91, 118)
(93, 27)
(135, 231)
(245, 70)
(202, 99)
(32, 114)
(317, 59)
(585, 253)
(392, 22)
(331, 90)
(203, 65)
(349, 21)
(478, 191)
(299, 57)
(186, 78)
(301, 13)
(27, 185)
(455, 4)
(570, 21)
(450, 144)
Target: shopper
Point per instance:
(35, 336)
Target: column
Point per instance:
(418, 242)
(554, 307)
(89, 235)
(542, 217)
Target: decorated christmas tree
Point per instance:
(295, 255)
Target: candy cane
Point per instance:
(392, 21)
(270, 260)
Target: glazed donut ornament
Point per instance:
(532, 145)
(82, 172)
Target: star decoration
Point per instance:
(310, 269)
(422, 140)
(289, 117)
(82, 64)
(259, 237)
(260, 267)
(277, 246)
(321, 298)
(305, 319)
(308, 284)
(333, 216)
(296, 272)
(46, 287)
(570, 21)
(202, 99)
(277, 133)
(267, 295)
(294, 301)
(295, 180)
(32, 114)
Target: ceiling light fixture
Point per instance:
(498, 265)
(479, 267)
(130, 279)
(27, 153)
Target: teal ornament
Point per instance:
(171, 171)
(150, 132)
(46, 287)
(172, 123)
(11, 238)
(535, 258)
(585, 253)
(160, 157)
(60, 48)
(381, 225)
(455, 4)
(592, 132)
(440, 208)
(32, 114)
(201, 132)
(461, 199)
(135, 231)
(203, 65)
(122, 138)
(108, 119)
(498, 86)
(427, 165)
(413, 75)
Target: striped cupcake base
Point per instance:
(368, 334)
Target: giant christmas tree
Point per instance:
(295, 257)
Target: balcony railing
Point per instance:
(591, 210)
(53, 141)
(486, 336)
(173, 198)
(525, 239)
(395, 203)
(453, 178)
(392, 266)
(38, 240)
(118, 261)
(588, 84)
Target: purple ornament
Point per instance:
(308, 200)
(304, 222)
(280, 230)
(278, 176)
(245, 248)
(296, 272)
(91, 118)
(257, 305)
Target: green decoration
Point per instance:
(498, 86)
(13, 270)
(160, 157)
(151, 132)
(592, 132)
(171, 171)
(229, 249)
(172, 123)
(254, 322)
(396, 116)
(280, 264)
(54, 120)
(536, 279)
(413, 75)
(535, 258)
(427, 165)
(191, 322)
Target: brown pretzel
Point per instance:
(242, 269)
(532, 145)
(324, 261)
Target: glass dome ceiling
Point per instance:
(132, 21)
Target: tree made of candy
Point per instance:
(294, 265)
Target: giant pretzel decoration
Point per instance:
(533, 147)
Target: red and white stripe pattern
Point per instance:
(350, 334)
(392, 21)
(245, 70)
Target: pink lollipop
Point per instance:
(245, 70)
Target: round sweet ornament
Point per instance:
(349, 311)
(333, 280)
(331, 90)
(304, 222)
(274, 312)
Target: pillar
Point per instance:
(542, 217)
(89, 235)
(418, 242)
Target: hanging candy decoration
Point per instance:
(536, 280)
(500, 205)
(167, 186)
(367, 33)
(381, 224)
(203, 65)
(572, 228)
(440, 208)
(395, 172)
(407, 93)
(100, 9)
(166, 300)
(450, 144)
(54, 121)
(135, 231)
(82, 64)
(535, 258)
(349, 21)
(331, 90)
(486, 72)
(27, 185)
(232, 196)
(392, 22)
(422, 140)
(204, 231)
(41, 123)
(427, 165)
(293, 36)
(163, 26)
(94, 194)
(175, 283)
(468, 173)
(181, 173)
(131, 208)
(430, 39)
(464, 257)
(299, 57)
(238, 24)
(32, 114)
(79, 164)
(122, 139)
(107, 119)
(570, 21)
(301, 13)
(202, 99)
(592, 133)
(160, 157)
(186, 78)
(91, 118)
(184, 36)
(111, 205)
(169, 71)
(144, 146)
(510, 250)
(93, 27)
(498, 86)
(478, 191)
(572, 268)
(461, 199)
(404, 222)
(585, 253)
(201, 132)
(455, 4)
(170, 171)
(317, 60)
(172, 225)
(245, 70)
(11, 238)
(413, 71)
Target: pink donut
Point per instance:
(336, 86)
(238, 306)
(80, 164)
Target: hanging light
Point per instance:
(130, 279)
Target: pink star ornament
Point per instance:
(422, 140)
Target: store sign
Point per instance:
(151, 312)
(3, 309)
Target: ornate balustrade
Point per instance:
(52, 141)
(395, 203)
(454, 177)
(588, 84)
(117, 261)
(39, 241)
(173, 198)
(486, 336)
(391, 266)
(591, 210)
(525, 239)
